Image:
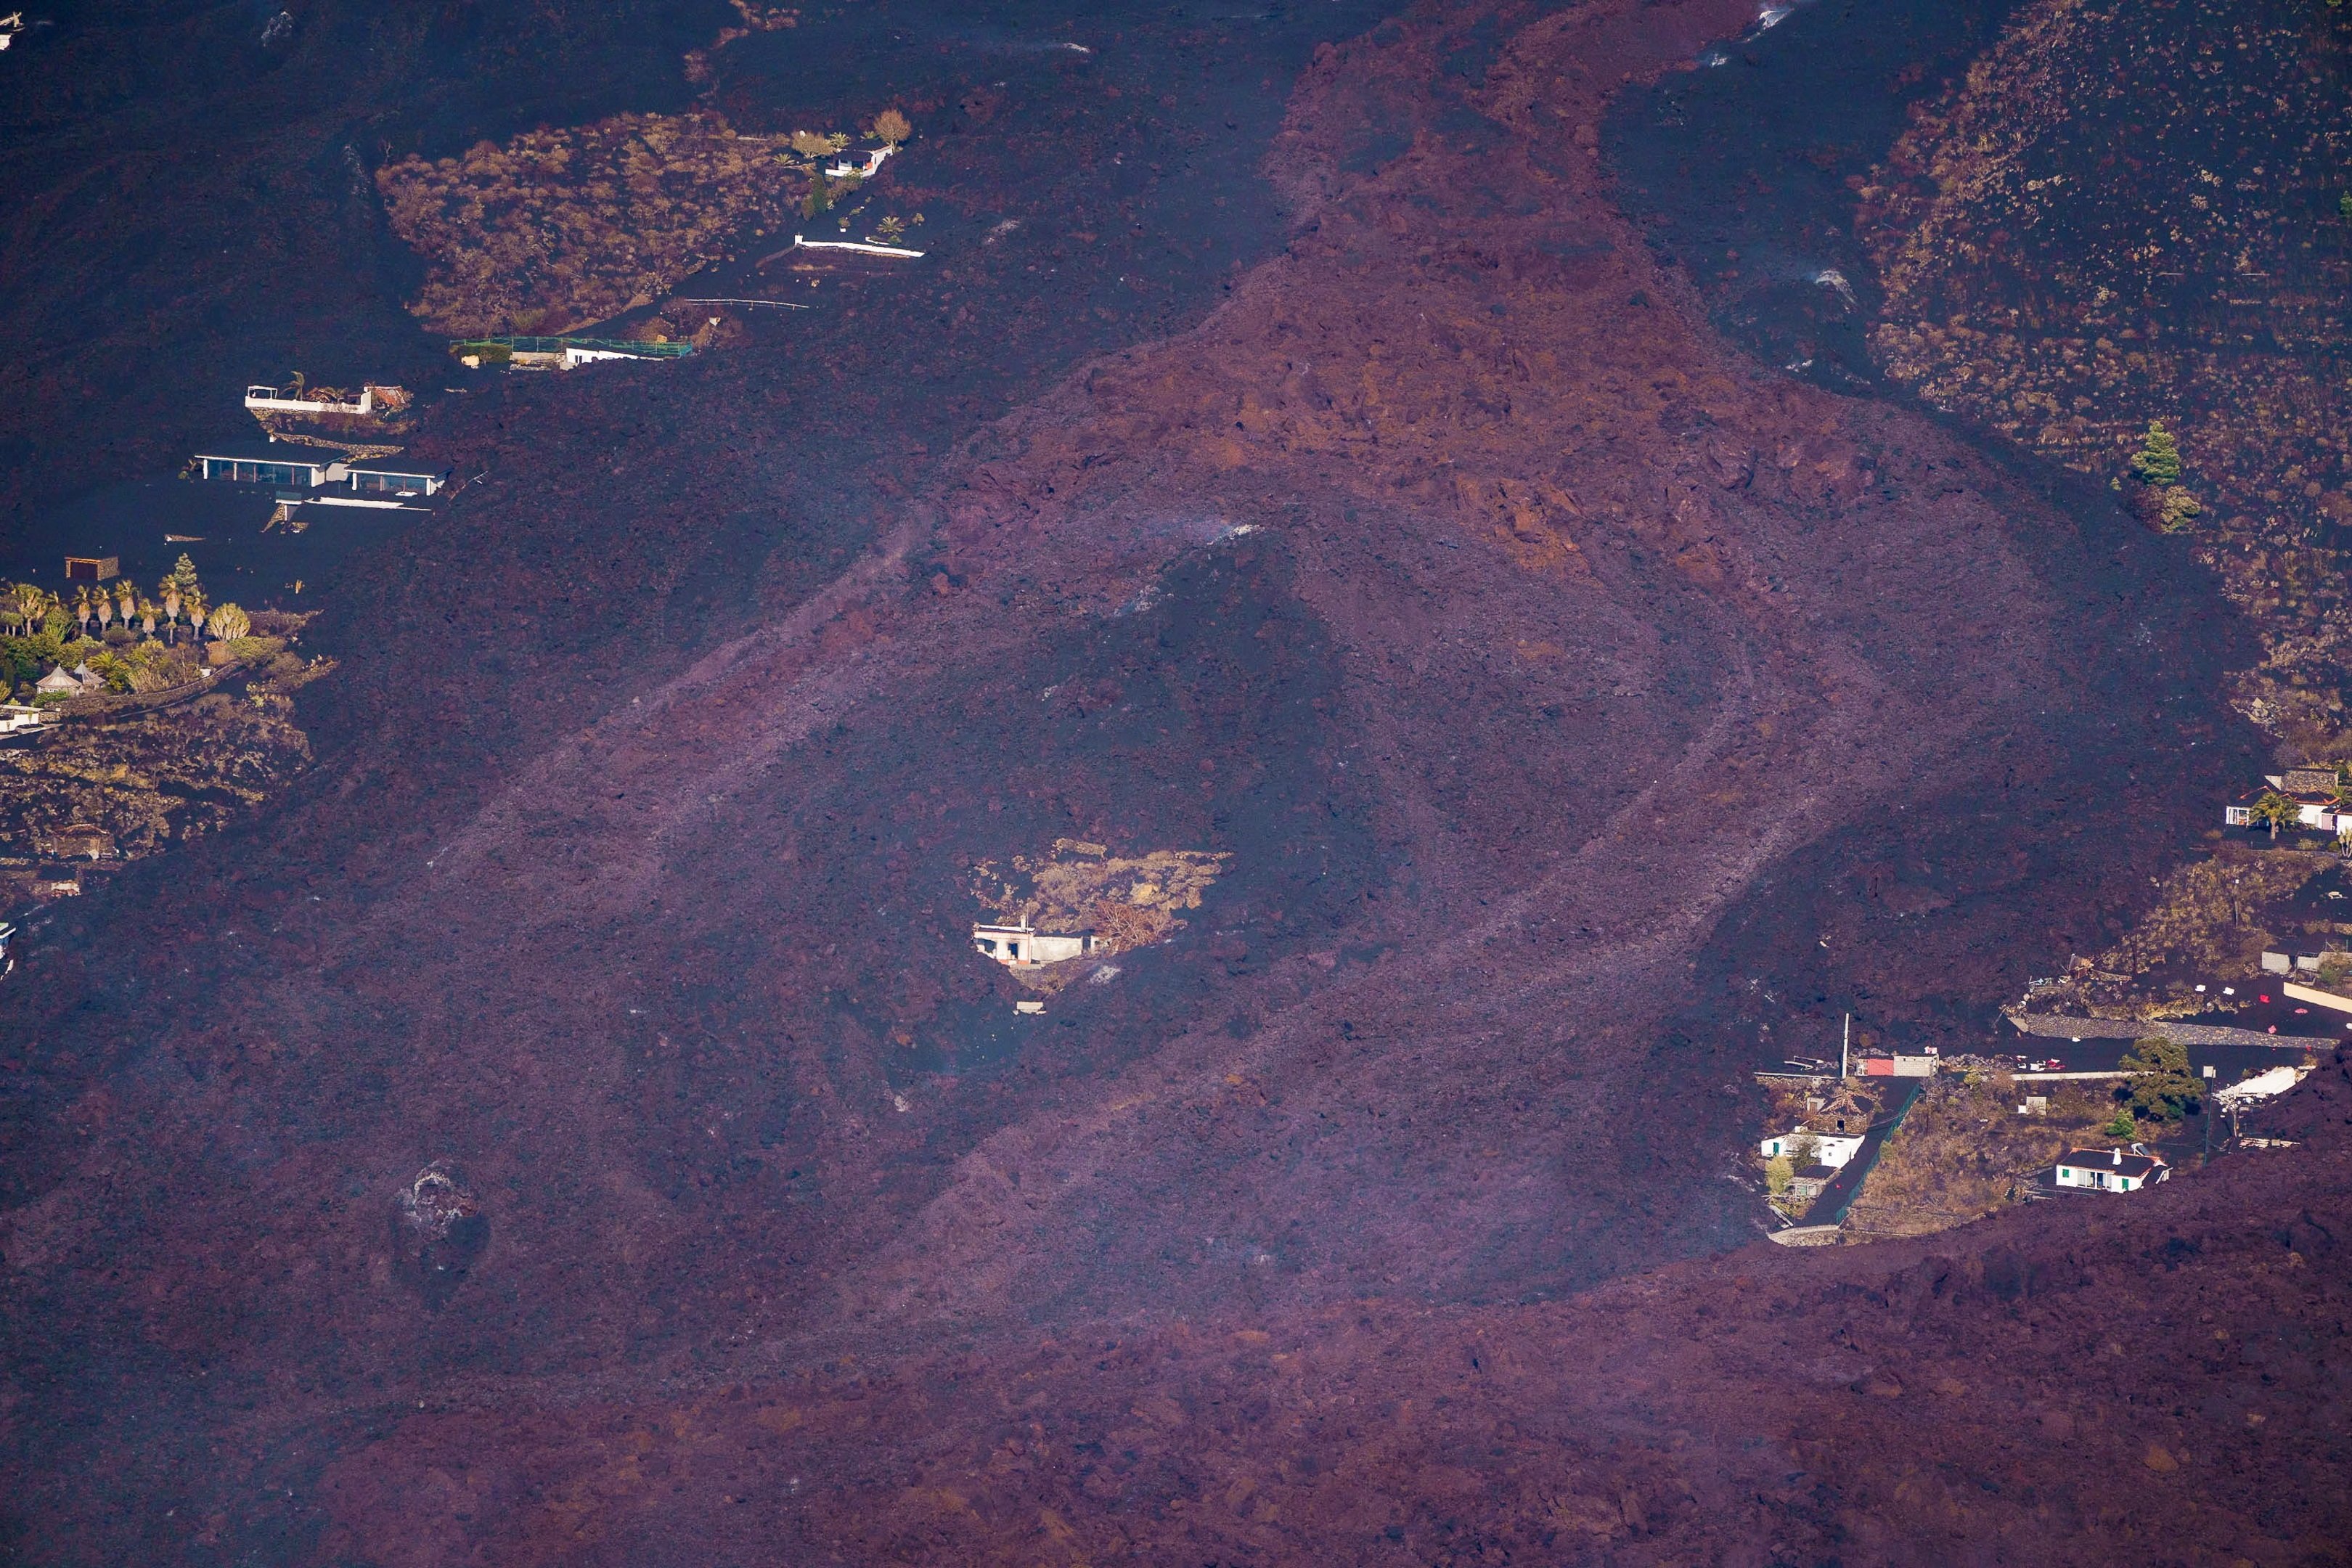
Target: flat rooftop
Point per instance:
(270, 452)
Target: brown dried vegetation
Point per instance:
(2126, 213)
(1963, 1149)
(2205, 922)
(140, 783)
(1127, 903)
(557, 229)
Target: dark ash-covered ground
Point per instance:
(1572, 697)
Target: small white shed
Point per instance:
(1831, 1149)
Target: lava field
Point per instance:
(572, 1124)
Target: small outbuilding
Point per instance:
(1921, 1063)
(92, 568)
(2110, 1170)
(56, 683)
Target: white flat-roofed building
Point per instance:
(1020, 946)
(388, 476)
(268, 463)
(1830, 1149)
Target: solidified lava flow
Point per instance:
(574, 1124)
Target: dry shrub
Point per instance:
(1127, 903)
(557, 229)
(2031, 279)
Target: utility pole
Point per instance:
(1845, 1045)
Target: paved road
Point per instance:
(2052, 1025)
(1829, 1207)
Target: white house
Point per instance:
(2312, 790)
(2110, 1170)
(1020, 947)
(1831, 1149)
(867, 171)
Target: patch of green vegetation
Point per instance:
(2157, 461)
(2162, 1086)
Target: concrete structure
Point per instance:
(1831, 1150)
(2315, 996)
(92, 568)
(1020, 947)
(386, 477)
(271, 399)
(1807, 1235)
(2260, 1086)
(2110, 1170)
(268, 463)
(558, 354)
(800, 243)
(16, 718)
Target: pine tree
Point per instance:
(2157, 461)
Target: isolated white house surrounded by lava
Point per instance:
(1020, 947)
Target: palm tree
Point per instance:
(81, 609)
(104, 602)
(23, 605)
(228, 623)
(2276, 810)
(168, 590)
(126, 600)
(147, 616)
(193, 602)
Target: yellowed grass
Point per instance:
(1963, 1148)
(1126, 901)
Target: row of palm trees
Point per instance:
(178, 597)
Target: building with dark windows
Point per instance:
(389, 477)
(266, 463)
